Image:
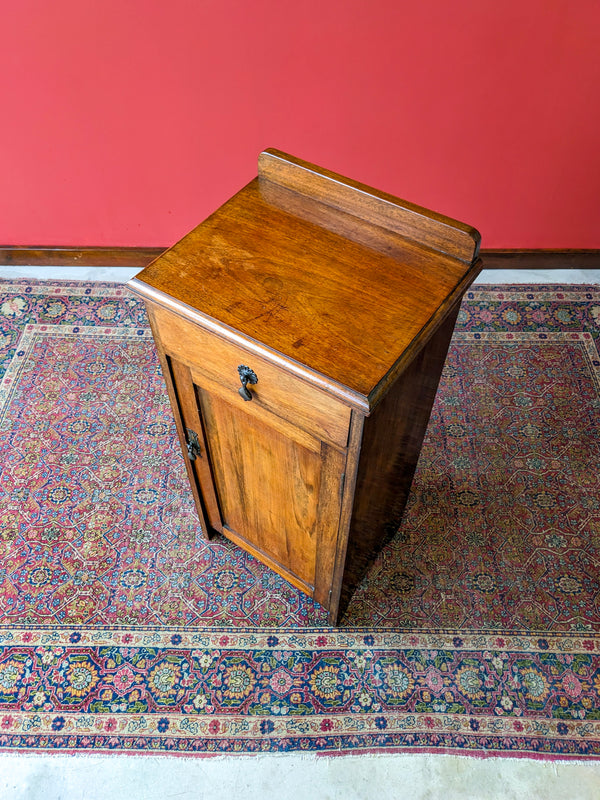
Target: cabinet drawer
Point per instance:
(277, 391)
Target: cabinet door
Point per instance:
(270, 486)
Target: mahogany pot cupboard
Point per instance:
(302, 330)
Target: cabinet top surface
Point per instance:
(322, 279)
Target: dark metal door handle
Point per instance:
(193, 445)
(247, 376)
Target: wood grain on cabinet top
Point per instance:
(312, 267)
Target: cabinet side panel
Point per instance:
(391, 445)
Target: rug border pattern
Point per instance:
(533, 735)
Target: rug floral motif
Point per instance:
(475, 630)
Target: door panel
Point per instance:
(267, 485)
(270, 487)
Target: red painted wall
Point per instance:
(126, 122)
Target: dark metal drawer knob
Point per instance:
(247, 376)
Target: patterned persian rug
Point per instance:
(475, 631)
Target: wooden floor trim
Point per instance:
(78, 256)
(541, 259)
(141, 256)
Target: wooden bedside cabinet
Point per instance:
(302, 330)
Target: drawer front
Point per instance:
(277, 391)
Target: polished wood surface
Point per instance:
(310, 280)
(363, 202)
(236, 268)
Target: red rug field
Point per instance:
(475, 631)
